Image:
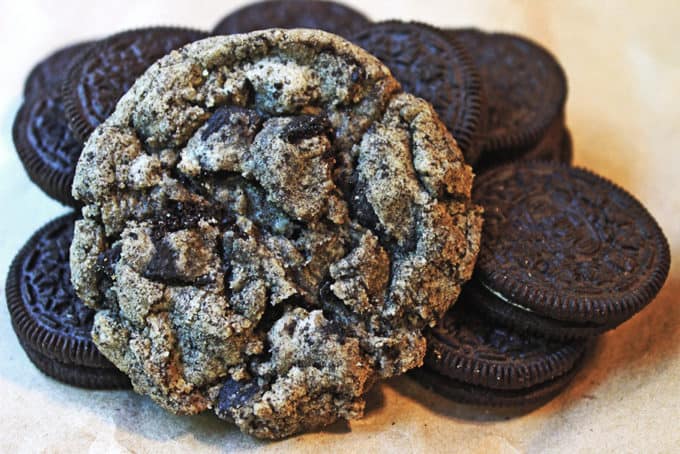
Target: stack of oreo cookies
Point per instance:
(66, 96)
(565, 256)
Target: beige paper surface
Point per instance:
(623, 65)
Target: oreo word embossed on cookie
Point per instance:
(282, 222)
(52, 324)
(565, 248)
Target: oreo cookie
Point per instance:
(497, 308)
(46, 146)
(101, 76)
(324, 15)
(555, 146)
(474, 361)
(526, 89)
(524, 399)
(564, 248)
(48, 75)
(52, 324)
(436, 69)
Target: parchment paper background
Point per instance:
(623, 63)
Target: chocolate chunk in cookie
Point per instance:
(223, 190)
(324, 15)
(436, 69)
(564, 244)
(52, 324)
(525, 86)
(103, 74)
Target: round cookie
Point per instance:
(525, 86)
(554, 146)
(567, 149)
(48, 75)
(76, 375)
(243, 280)
(46, 146)
(524, 399)
(98, 79)
(324, 15)
(470, 349)
(565, 244)
(436, 69)
(523, 321)
(52, 324)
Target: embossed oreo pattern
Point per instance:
(525, 86)
(465, 347)
(48, 135)
(48, 75)
(101, 76)
(329, 16)
(435, 69)
(568, 244)
(46, 146)
(45, 311)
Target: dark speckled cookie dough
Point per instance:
(269, 223)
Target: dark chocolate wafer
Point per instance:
(51, 322)
(554, 146)
(475, 361)
(48, 75)
(464, 393)
(101, 76)
(565, 244)
(75, 375)
(324, 15)
(525, 86)
(497, 308)
(46, 146)
(468, 348)
(436, 69)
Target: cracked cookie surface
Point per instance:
(269, 223)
